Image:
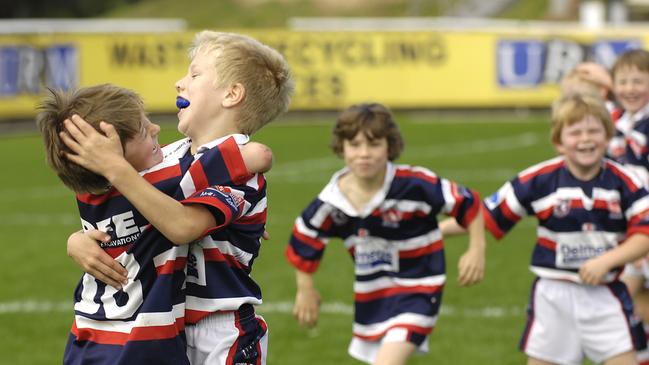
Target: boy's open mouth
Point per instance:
(181, 103)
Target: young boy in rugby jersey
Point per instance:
(386, 215)
(631, 88)
(141, 322)
(234, 86)
(593, 217)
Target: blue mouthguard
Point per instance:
(181, 103)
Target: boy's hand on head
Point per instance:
(84, 249)
(90, 149)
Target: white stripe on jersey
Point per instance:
(253, 182)
(227, 248)
(187, 185)
(142, 320)
(637, 207)
(595, 238)
(303, 229)
(407, 206)
(321, 215)
(208, 305)
(536, 168)
(419, 241)
(258, 208)
(449, 198)
(403, 245)
(171, 254)
(512, 201)
(403, 318)
(391, 282)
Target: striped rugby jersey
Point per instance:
(219, 265)
(144, 322)
(577, 220)
(395, 242)
(629, 145)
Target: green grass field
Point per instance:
(478, 325)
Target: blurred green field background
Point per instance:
(478, 325)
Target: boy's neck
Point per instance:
(203, 137)
(584, 174)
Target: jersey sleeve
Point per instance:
(219, 180)
(221, 165)
(504, 208)
(635, 205)
(460, 202)
(311, 232)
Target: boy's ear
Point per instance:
(234, 95)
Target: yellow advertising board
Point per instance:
(405, 70)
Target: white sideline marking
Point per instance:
(286, 307)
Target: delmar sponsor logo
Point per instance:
(581, 253)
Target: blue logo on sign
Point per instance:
(520, 63)
(530, 63)
(26, 69)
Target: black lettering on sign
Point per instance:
(319, 87)
(151, 55)
(355, 50)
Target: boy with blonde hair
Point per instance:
(234, 86)
(593, 218)
(142, 321)
(387, 216)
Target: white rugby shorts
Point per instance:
(228, 338)
(366, 351)
(567, 319)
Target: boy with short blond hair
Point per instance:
(234, 85)
(593, 218)
(142, 321)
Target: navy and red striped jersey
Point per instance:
(629, 145)
(220, 263)
(144, 322)
(395, 243)
(577, 220)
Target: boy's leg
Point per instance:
(394, 353)
(627, 358)
(533, 361)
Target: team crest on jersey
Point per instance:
(615, 211)
(362, 232)
(391, 218)
(561, 208)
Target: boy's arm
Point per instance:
(450, 227)
(83, 248)
(181, 224)
(593, 271)
(257, 157)
(307, 300)
(472, 263)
